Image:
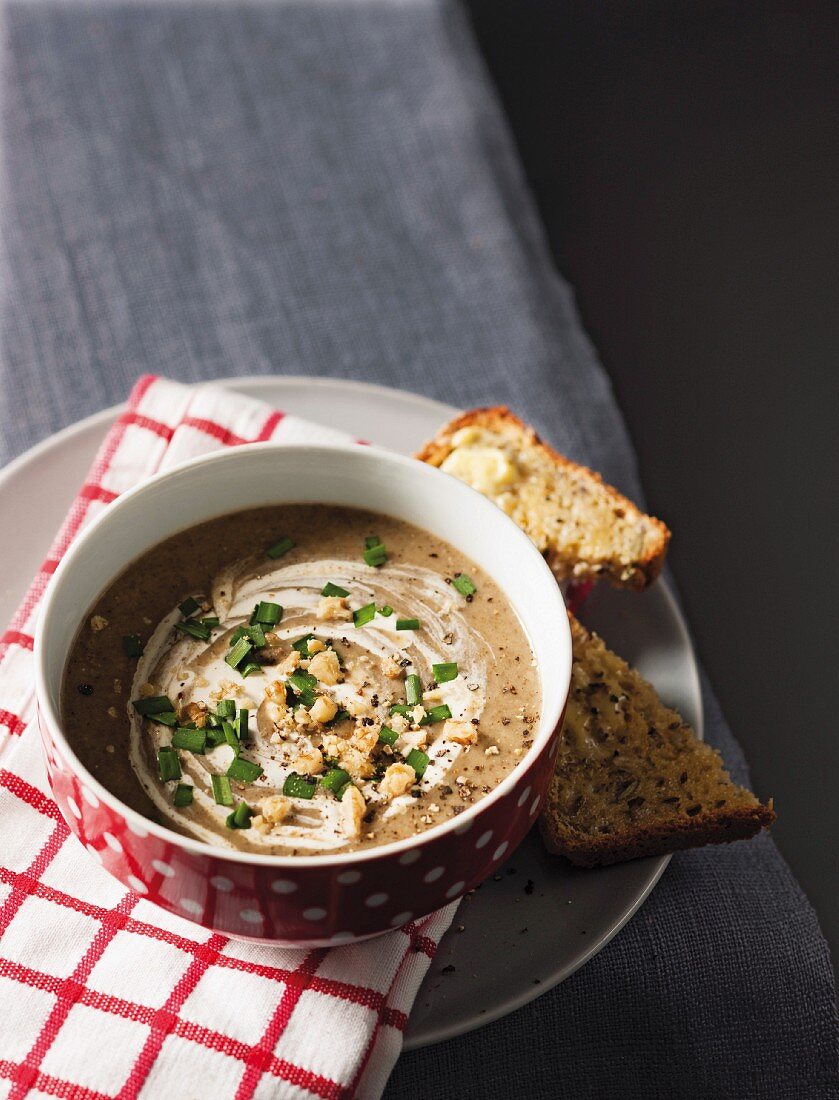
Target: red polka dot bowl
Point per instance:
(303, 901)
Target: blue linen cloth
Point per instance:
(329, 188)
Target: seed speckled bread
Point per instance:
(631, 778)
(584, 527)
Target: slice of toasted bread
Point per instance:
(632, 779)
(584, 527)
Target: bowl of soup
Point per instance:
(299, 694)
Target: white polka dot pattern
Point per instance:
(283, 886)
(90, 798)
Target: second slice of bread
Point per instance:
(632, 779)
(584, 527)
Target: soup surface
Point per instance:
(301, 679)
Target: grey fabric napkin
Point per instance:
(329, 188)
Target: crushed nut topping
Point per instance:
(325, 667)
(398, 779)
(352, 811)
(333, 609)
(323, 710)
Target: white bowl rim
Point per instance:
(548, 725)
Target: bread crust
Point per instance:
(658, 840)
(499, 418)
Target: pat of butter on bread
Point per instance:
(487, 469)
(585, 528)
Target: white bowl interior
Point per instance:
(263, 474)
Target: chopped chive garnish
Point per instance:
(239, 632)
(230, 735)
(182, 795)
(168, 765)
(401, 708)
(298, 786)
(239, 652)
(304, 686)
(407, 624)
(364, 615)
(436, 714)
(222, 791)
(154, 704)
(418, 760)
(302, 644)
(375, 555)
(387, 610)
(166, 717)
(226, 708)
(243, 771)
(371, 541)
(268, 613)
(445, 672)
(413, 689)
(280, 548)
(330, 589)
(191, 740)
(302, 681)
(194, 629)
(249, 669)
(131, 645)
(241, 817)
(242, 725)
(388, 736)
(464, 584)
(211, 621)
(257, 635)
(188, 607)
(335, 780)
(215, 737)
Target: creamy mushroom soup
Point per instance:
(301, 679)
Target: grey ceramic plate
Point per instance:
(568, 915)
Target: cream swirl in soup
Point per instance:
(352, 682)
(357, 669)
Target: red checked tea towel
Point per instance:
(104, 995)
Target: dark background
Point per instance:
(685, 159)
